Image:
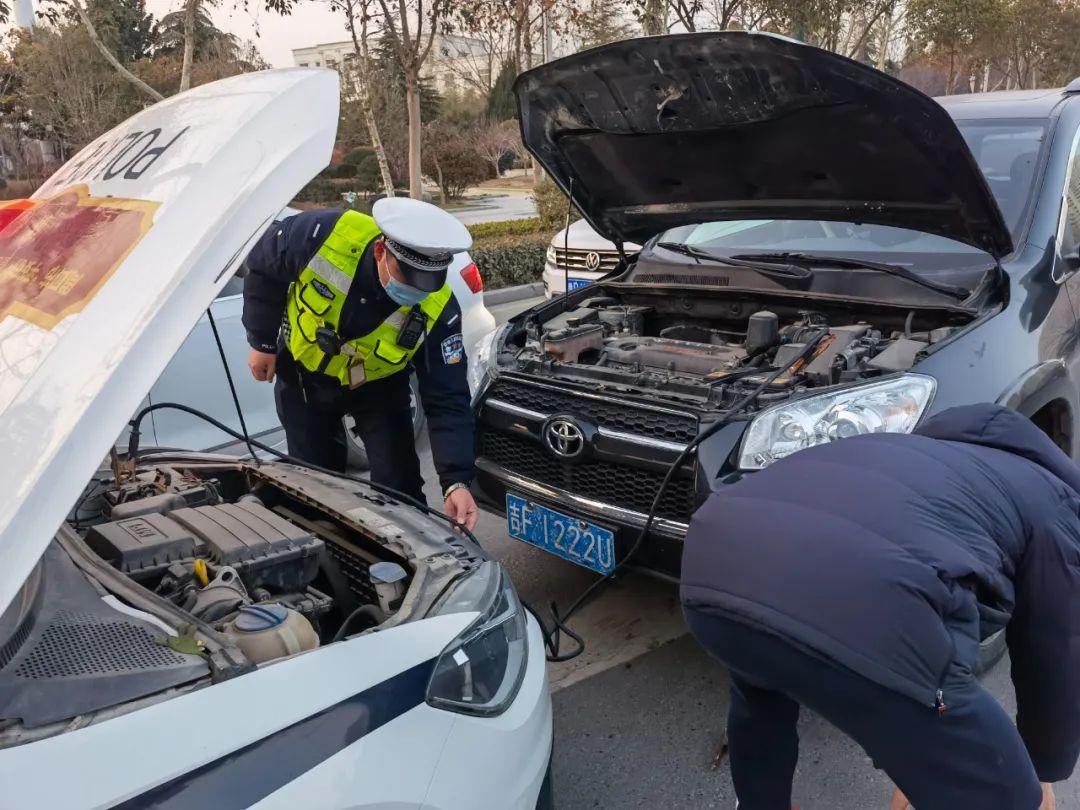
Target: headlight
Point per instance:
(893, 406)
(481, 670)
(480, 364)
(552, 258)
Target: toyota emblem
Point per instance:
(564, 437)
(592, 261)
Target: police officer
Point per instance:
(339, 308)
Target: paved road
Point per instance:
(496, 206)
(639, 717)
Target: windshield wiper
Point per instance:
(770, 267)
(809, 260)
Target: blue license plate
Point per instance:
(568, 537)
(579, 282)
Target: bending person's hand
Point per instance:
(899, 801)
(460, 505)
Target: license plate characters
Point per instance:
(568, 537)
(579, 282)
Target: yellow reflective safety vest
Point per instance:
(316, 299)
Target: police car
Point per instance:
(189, 630)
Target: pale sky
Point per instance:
(312, 22)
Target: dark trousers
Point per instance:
(969, 757)
(381, 410)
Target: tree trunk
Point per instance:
(376, 142)
(190, 7)
(412, 101)
(654, 18)
(883, 43)
(363, 72)
(91, 31)
(951, 77)
(517, 48)
(439, 180)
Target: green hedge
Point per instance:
(505, 261)
(511, 227)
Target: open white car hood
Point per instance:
(129, 243)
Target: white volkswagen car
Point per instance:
(579, 255)
(180, 629)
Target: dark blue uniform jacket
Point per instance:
(892, 555)
(277, 260)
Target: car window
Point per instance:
(234, 286)
(1069, 237)
(1007, 153)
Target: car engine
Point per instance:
(720, 358)
(217, 555)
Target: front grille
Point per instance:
(672, 427)
(577, 259)
(615, 484)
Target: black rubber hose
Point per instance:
(551, 637)
(133, 456)
(232, 386)
(372, 612)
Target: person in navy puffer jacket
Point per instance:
(857, 578)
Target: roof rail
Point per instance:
(1073, 86)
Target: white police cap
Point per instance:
(422, 237)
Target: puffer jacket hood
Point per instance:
(1003, 429)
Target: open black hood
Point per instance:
(672, 130)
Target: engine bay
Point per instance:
(190, 570)
(717, 350)
(230, 552)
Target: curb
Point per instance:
(506, 295)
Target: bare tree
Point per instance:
(191, 13)
(362, 8)
(411, 48)
(91, 31)
(477, 68)
(492, 140)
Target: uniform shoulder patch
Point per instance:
(453, 350)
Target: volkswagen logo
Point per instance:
(592, 261)
(564, 437)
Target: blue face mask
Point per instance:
(402, 294)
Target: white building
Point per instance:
(456, 63)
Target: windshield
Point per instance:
(1006, 151)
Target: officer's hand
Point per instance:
(262, 365)
(899, 801)
(461, 507)
(1049, 801)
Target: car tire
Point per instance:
(991, 651)
(357, 453)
